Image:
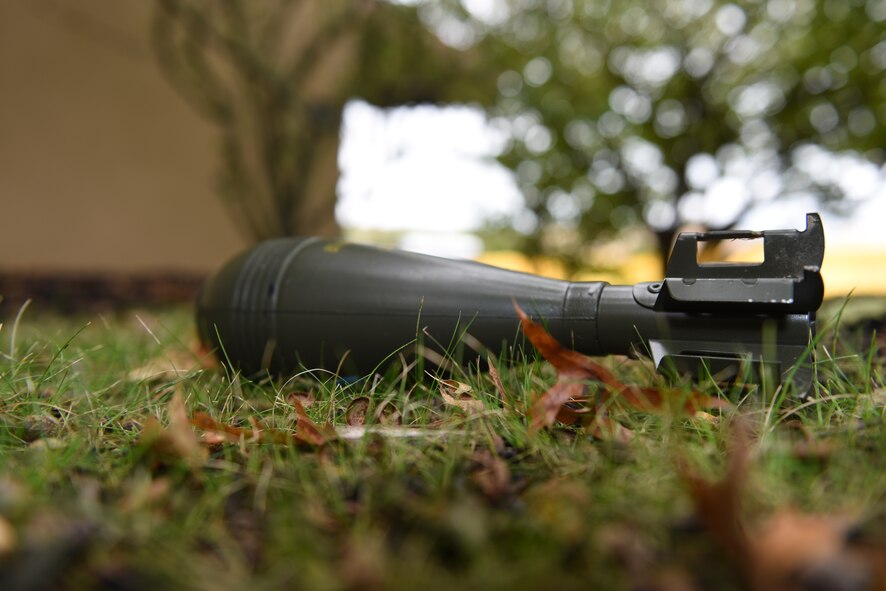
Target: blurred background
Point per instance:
(144, 143)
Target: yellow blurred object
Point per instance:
(515, 261)
(639, 267)
(860, 271)
(845, 269)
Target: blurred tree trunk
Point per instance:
(274, 76)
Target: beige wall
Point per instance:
(102, 165)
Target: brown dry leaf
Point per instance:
(706, 417)
(575, 370)
(576, 412)
(551, 405)
(305, 398)
(496, 379)
(657, 399)
(213, 439)
(220, 433)
(176, 442)
(355, 415)
(458, 394)
(308, 432)
(568, 363)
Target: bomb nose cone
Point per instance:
(310, 302)
(237, 305)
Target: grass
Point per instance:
(474, 501)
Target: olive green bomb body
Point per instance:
(294, 303)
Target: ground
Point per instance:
(129, 461)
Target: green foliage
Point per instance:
(611, 101)
(623, 114)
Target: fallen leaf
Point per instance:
(388, 414)
(706, 417)
(36, 427)
(355, 415)
(231, 434)
(305, 398)
(568, 363)
(178, 441)
(308, 432)
(496, 380)
(220, 431)
(548, 407)
(213, 440)
(574, 373)
(668, 399)
(458, 394)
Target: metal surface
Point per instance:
(292, 303)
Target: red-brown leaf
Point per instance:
(575, 370)
(309, 432)
(548, 406)
(654, 399)
(568, 363)
(233, 434)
